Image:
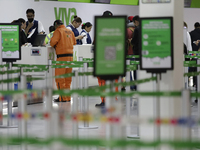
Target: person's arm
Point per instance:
(84, 40)
(28, 27)
(40, 28)
(73, 38)
(55, 38)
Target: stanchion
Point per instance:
(128, 107)
(9, 76)
(186, 113)
(128, 89)
(86, 100)
(198, 88)
(9, 101)
(1, 78)
(186, 78)
(156, 104)
(75, 108)
(81, 86)
(22, 108)
(48, 103)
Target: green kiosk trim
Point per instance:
(156, 44)
(110, 47)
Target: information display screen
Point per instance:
(156, 1)
(156, 43)
(11, 49)
(110, 46)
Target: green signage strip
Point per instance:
(156, 44)
(110, 46)
(190, 62)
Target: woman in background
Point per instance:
(73, 27)
(86, 28)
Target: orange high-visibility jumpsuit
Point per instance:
(102, 83)
(63, 40)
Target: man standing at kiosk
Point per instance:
(63, 40)
(33, 27)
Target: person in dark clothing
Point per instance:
(135, 38)
(23, 37)
(33, 27)
(195, 35)
(135, 42)
(23, 34)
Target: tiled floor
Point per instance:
(37, 127)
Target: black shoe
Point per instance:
(102, 104)
(196, 101)
(123, 89)
(56, 100)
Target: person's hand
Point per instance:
(130, 40)
(197, 42)
(30, 25)
(80, 37)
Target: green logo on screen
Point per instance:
(64, 15)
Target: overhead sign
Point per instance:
(11, 48)
(156, 44)
(110, 46)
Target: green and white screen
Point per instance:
(10, 41)
(110, 44)
(156, 43)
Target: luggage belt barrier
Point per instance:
(186, 122)
(98, 142)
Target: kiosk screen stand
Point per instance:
(11, 48)
(156, 44)
(110, 47)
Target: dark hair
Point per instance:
(87, 24)
(51, 28)
(136, 18)
(15, 21)
(196, 25)
(58, 22)
(107, 13)
(77, 19)
(21, 20)
(30, 10)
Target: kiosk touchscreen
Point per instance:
(11, 49)
(156, 44)
(110, 47)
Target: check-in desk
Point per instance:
(41, 55)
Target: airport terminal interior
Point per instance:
(100, 75)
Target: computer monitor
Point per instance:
(102, 1)
(39, 40)
(11, 49)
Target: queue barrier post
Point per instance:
(86, 100)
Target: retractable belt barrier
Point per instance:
(97, 142)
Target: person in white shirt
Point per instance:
(187, 38)
(86, 28)
(33, 27)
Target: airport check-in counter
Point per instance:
(41, 55)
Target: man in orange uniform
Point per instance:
(63, 40)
